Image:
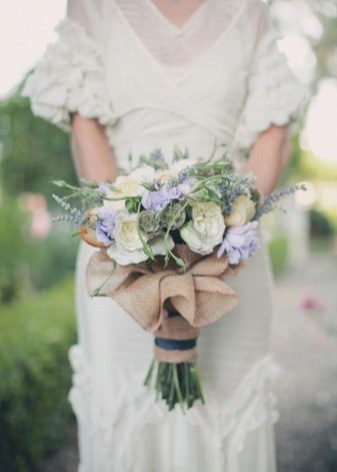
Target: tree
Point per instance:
(34, 151)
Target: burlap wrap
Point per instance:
(199, 294)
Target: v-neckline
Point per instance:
(165, 19)
(188, 69)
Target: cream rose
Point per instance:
(174, 170)
(165, 175)
(129, 186)
(206, 229)
(243, 211)
(128, 248)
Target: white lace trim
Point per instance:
(251, 406)
(70, 78)
(274, 94)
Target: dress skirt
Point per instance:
(121, 426)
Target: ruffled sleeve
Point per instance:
(274, 93)
(70, 78)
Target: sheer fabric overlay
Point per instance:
(218, 79)
(81, 73)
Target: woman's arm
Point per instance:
(269, 156)
(92, 154)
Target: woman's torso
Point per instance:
(174, 86)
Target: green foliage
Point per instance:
(319, 224)
(35, 377)
(312, 167)
(52, 259)
(27, 265)
(13, 248)
(278, 250)
(35, 152)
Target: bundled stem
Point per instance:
(175, 383)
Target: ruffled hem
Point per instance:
(274, 96)
(70, 78)
(120, 424)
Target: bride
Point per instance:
(129, 76)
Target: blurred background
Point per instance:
(37, 323)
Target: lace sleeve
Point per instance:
(70, 77)
(274, 93)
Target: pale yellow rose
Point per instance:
(173, 172)
(165, 175)
(243, 211)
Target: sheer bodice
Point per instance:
(220, 78)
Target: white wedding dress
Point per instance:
(219, 78)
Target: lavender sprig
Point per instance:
(179, 155)
(233, 187)
(72, 214)
(155, 160)
(271, 200)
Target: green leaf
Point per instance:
(148, 250)
(149, 187)
(131, 204)
(178, 155)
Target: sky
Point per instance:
(26, 28)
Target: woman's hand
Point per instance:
(92, 154)
(269, 156)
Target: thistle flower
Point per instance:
(174, 216)
(149, 222)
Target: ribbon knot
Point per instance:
(199, 294)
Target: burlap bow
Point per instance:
(199, 293)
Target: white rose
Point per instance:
(183, 164)
(206, 229)
(126, 234)
(143, 174)
(243, 211)
(128, 248)
(129, 186)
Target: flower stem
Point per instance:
(97, 290)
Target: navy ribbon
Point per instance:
(175, 345)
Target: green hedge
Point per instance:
(35, 377)
(27, 265)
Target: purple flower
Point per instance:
(103, 188)
(105, 227)
(240, 242)
(159, 199)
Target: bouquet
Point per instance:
(169, 237)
